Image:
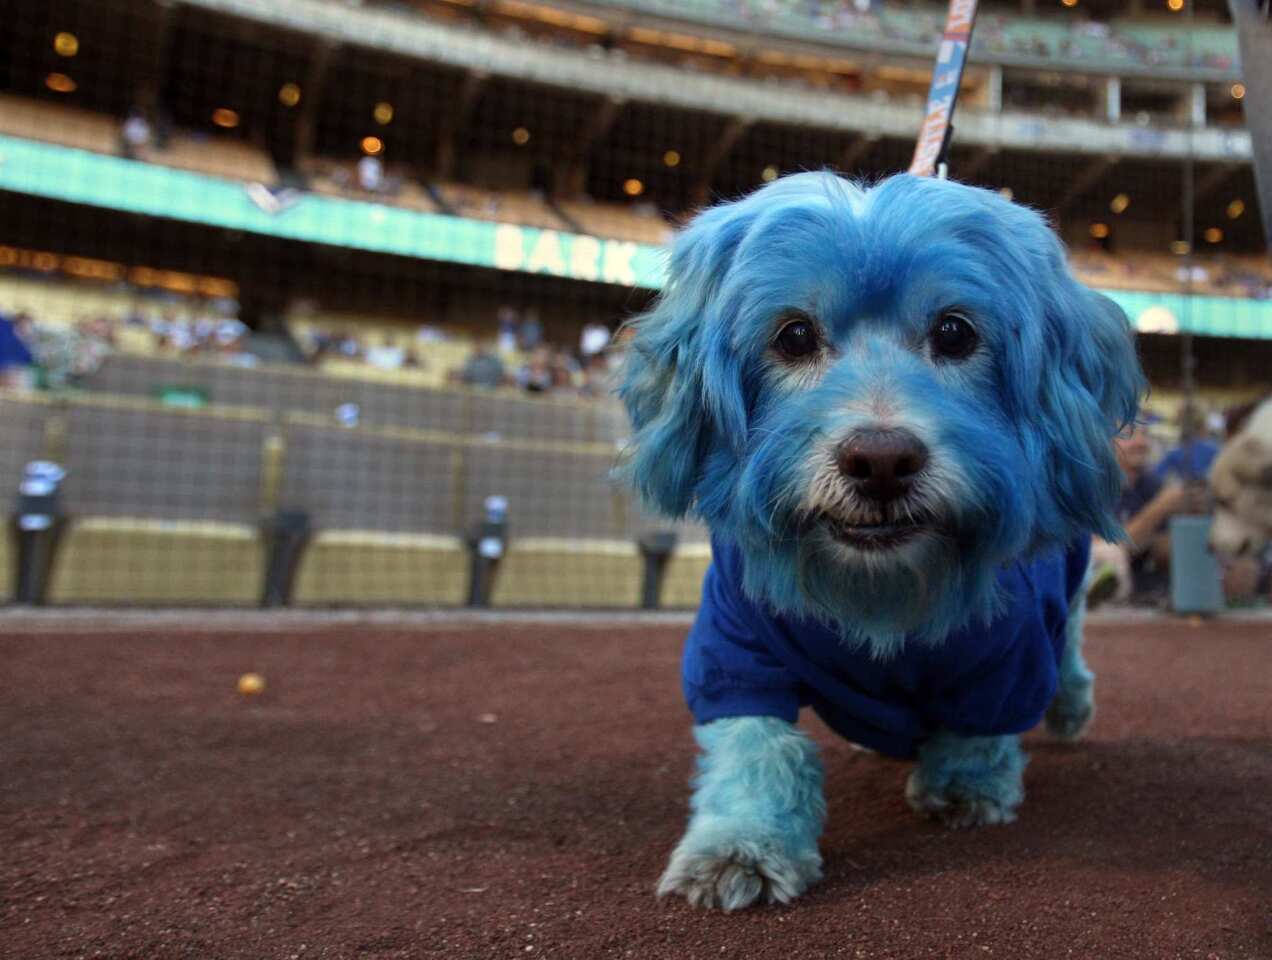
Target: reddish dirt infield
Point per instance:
(512, 791)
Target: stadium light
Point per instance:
(1069, 3)
(769, 173)
(1237, 90)
(671, 158)
(1119, 203)
(1100, 230)
(633, 187)
(66, 44)
(225, 117)
(1174, 6)
(1213, 235)
(289, 94)
(383, 113)
(372, 146)
(521, 136)
(60, 83)
(1236, 208)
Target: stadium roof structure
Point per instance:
(82, 177)
(1012, 40)
(484, 53)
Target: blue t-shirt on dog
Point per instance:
(742, 660)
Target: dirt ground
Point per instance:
(512, 791)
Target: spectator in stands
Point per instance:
(509, 324)
(536, 376)
(530, 333)
(566, 370)
(386, 355)
(135, 134)
(1137, 569)
(593, 340)
(595, 379)
(17, 362)
(482, 369)
(1190, 461)
(370, 172)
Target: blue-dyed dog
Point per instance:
(893, 407)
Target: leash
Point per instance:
(931, 151)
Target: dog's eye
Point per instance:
(797, 339)
(953, 337)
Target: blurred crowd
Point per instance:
(516, 354)
(38, 353)
(537, 366)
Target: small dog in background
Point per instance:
(1241, 481)
(893, 406)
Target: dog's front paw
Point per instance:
(1071, 711)
(735, 874)
(958, 805)
(968, 781)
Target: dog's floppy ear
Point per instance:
(679, 382)
(1088, 393)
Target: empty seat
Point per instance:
(517, 417)
(568, 572)
(164, 506)
(376, 567)
(682, 577)
(141, 560)
(70, 126)
(215, 155)
(8, 563)
(384, 509)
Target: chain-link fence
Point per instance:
(312, 303)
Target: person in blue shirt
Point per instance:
(16, 360)
(1189, 462)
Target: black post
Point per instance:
(36, 528)
(487, 542)
(286, 535)
(656, 548)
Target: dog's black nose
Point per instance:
(881, 463)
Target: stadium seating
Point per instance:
(384, 508)
(682, 579)
(608, 220)
(8, 563)
(213, 155)
(164, 504)
(563, 572)
(56, 123)
(506, 206)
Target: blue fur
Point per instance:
(969, 780)
(717, 434)
(1073, 706)
(722, 432)
(757, 813)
